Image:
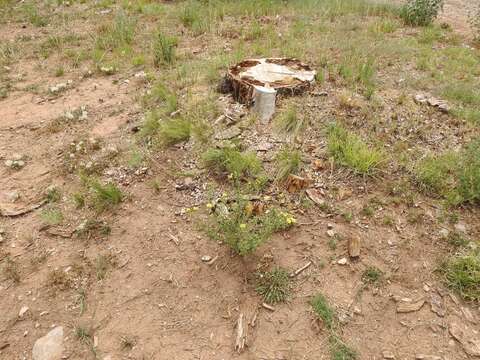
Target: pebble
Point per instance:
(206, 258)
(331, 233)
(342, 261)
(388, 355)
(22, 311)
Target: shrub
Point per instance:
(462, 273)
(288, 161)
(421, 12)
(238, 165)
(174, 131)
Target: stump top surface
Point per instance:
(273, 72)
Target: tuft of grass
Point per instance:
(349, 150)
(52, 216)
(244, 231)
(102, 265)
(290, 122)
(83, 334)
(341, 351)
(160, 97)
(323, 310)
(105, 196)
(33, 16)
(372, 275)
(237, 165)
(53, 194)
(174, 131)
(462, 274)
(164, 49)
(92, 227)
(453, 175)
(288, 161)
(274, 286)
(117, 34)
(457, 240)
(81, 300)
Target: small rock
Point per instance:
(407, 305)
(420, 99)
(206, 258)
(229, 133)
(49, 347)
(9, 163)
(388, 355)
(437, 304)
(22, 311)
(357, 310)
(329, 226)
(330, 233)
(342, 261)
(461, 227)
(444, 233)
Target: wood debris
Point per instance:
(5, 211)
(302, 269)
(354, 247)
(406, 306)
(241, 337)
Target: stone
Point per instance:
(330, 233)
(342, 261)
(206, 258)
(9, 163)
(437, 304)
(444, 233)
(407, 305)
(229, 133)
(461, 228)
(22, 311)
(388, 355)
(427, 357)
(49, 347)
(466, 337)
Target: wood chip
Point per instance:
(241, 336)
(354, 247)
(409, 306)
(268, 307)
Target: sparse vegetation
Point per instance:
(11, 271)
(105, 196)
(52, 216)
(233, 163)
(372, 275)
(288, 162)
(324, 311)
(164, 49)
(274, 286)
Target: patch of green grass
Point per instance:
(102, 264)
(117, 34)
(237, 165)
(341, 351)
(52, 216)
(53, 194)
(421, 12)
(372, 275)
(160, 97)
(243, 231)
(33, 16)
(288, 161)
(349, 150)
(323, 310)
(164, 49)
(456, 239)
(453, 175)
(83, 334)
(462, 274)
(105, 196)
(274, 286)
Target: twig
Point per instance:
(174, 239)
(268, 307)
(241, 334)
(299, 271)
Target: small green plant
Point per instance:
(83, 334)
(160, 97)
(462, 273)
(349, 150)
(244, 231)
(164, 49)
(341, 351)
(421, 12)
(117, 34)
(288, 161)
(237, 165)
(81, 301)
(323, 310)
(52, 216)
(372, 275)
(92, 227)
(53, 194)
(274, 286)
(33, 15)
(456, 239)
(102, 264)
(105, 196)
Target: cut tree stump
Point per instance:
(283, 75)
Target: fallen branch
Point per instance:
(25, 210)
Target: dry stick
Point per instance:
(241, 334)
(174, 239)
(268, 307)
(299, 271)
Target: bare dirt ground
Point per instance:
(157, 299)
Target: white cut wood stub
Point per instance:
(264, 103)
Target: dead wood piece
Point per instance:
(12, 212)
(410, 306)
(296, 183)
(241, 336)
(354, 247)
(268, 307)
(316, 196)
